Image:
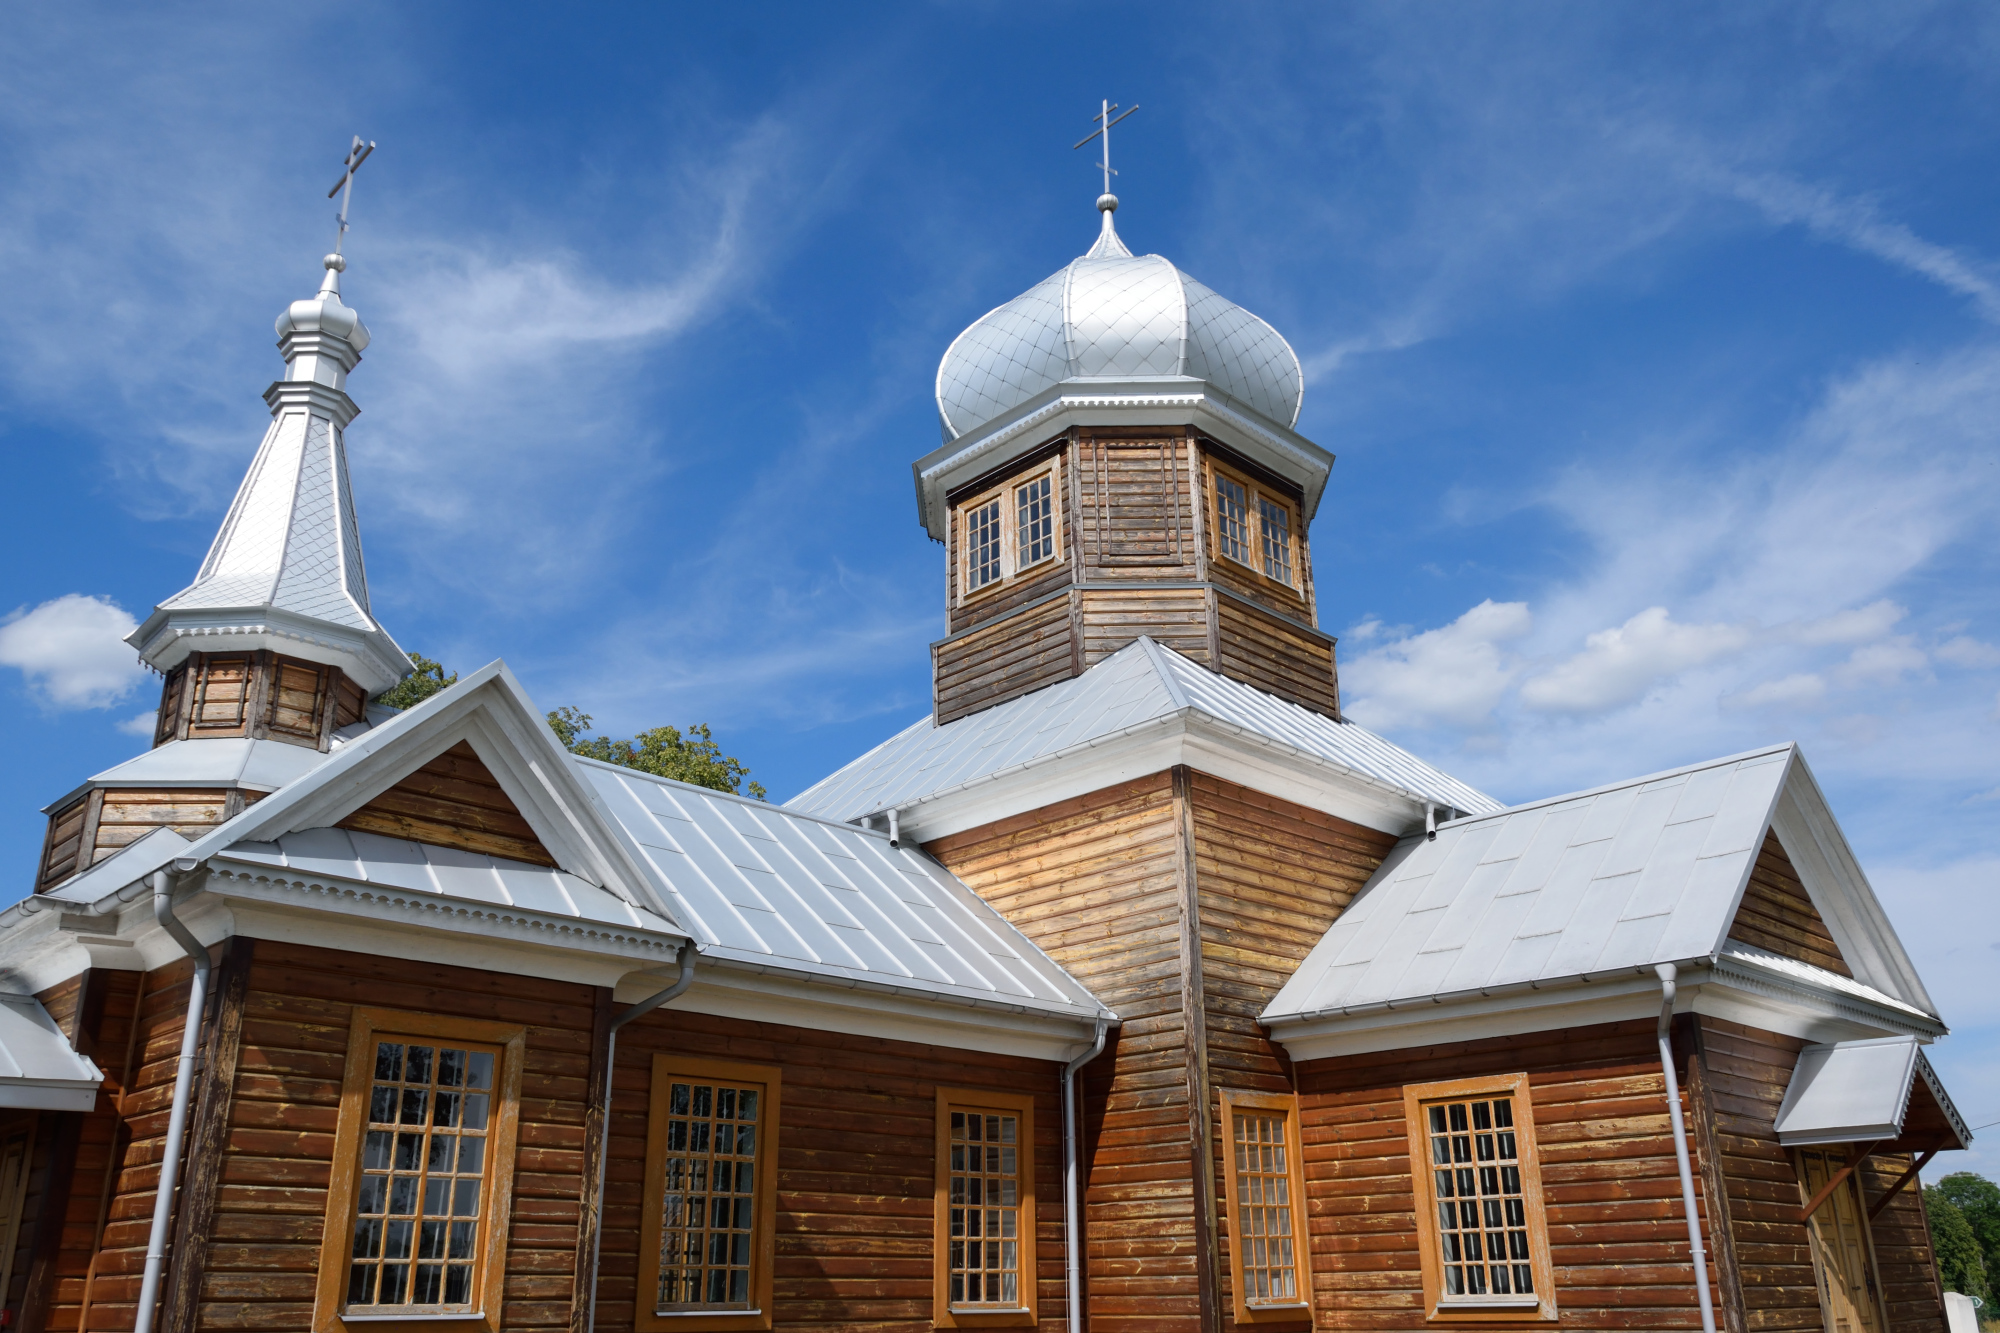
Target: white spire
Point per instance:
(285, 572)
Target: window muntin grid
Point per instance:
(1266, 1264)
(1275, 521)
(418, 1222)
(1035, 512)
(1232, 507)
(985, 1210)
(708, 1206)
(982, 545)
(1481, 1209)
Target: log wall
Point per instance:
(1777, 914)
(261, 695)
(107, 820)
(453, 801)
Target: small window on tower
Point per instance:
(1232, 505)
(1036, 540)
(1276, 522)
(1256, 527)
(982, 545)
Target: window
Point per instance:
(711, 1191)
(1479, 1202)
(1010, 529)
(423, 1173)
(1266, 1197)
(1254, 528)
(985, 1209)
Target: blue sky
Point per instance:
(1660, 348)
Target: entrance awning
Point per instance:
(1881, 1091)
(38, 1067)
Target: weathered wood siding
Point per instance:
(1776, 913)
(1903, 1257)
(1112, 618)
(857, 1167)
(1276, 655)
(1610, 1183)
(453, 801)
(1003, 660)
(1096, 882)
(258, 694)
(1134, 507)
(108, 820)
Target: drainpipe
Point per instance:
(895, 830)
(685, 957)
(1072, 1205)
(1430, 822)
(170, 1161)
(1667, 973)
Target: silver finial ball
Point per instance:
(338, 263)
(1108, 202)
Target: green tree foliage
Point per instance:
(419, 685)
(693, 757)
(1961, 1266)
(1978, 1200)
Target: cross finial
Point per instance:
(356, 155)
(1105, 120)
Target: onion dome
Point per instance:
(1112, 316)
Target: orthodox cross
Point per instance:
(1105, 120)
(355, 157)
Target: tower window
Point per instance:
(1036, 540)
(982, 545)
(1010, 529)
(1255, 527)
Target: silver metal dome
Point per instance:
(1109, 315)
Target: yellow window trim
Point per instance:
(1012, 1103)
(1254, 530)
(1011, 572)
(1286, 1105)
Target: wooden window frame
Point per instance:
(1253, 520)
(1286, 1104)
(647, 1318)
(1011, 569)
(942, 1314)
(1474, 1310)
(363, 1029)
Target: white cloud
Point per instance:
(1967, 652)
(1862, 624)
(1795, 690)
(144, 724)
(1882, 663)
(72, 651)
(1618, 666)
(1453, 675)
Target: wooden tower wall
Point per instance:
(1138, 556)
(1184, 902)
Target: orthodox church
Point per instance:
(1136, 988)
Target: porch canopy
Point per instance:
(1880, 1091)
(38, 1067)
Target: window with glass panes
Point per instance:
(982, 545)
(421, 1206)
(1274, 523)
(986, 1228)
(1232, 511)
(1265, 1260)
(1255, 527)
(708, 1208)
(1034, 508)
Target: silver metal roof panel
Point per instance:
(38, 1066)
(1849, 1092)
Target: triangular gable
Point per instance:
(453, 801)
(490, 716)
(1777, 913)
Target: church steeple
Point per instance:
(285, 573)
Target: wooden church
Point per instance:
(1135, 989)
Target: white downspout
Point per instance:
(170, 1161)
(685, 957)
(1667, 973)
(1072, 1204)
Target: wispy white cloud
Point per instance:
(1453, 675)
(1618, 666)
(71, 651)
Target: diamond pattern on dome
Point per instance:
(1242, 355)
(1125, 316)
(242, 566)
(311, 582)
(1109, 315)
(1007, 357)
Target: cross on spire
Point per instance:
(1105, 120)
(356, 155)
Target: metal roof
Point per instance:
(38, 1066)
(1624, 877)
(1110, 315)
(1859, 1092)
(447, 872)
(233, 761)
(763, 884)
(1140, 685)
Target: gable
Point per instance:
(1777, 913)
(453, 801)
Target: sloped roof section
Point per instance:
(1861, 1092)
(765, 885)
(1614, 880)
(1141, 685)
(38, 1066)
